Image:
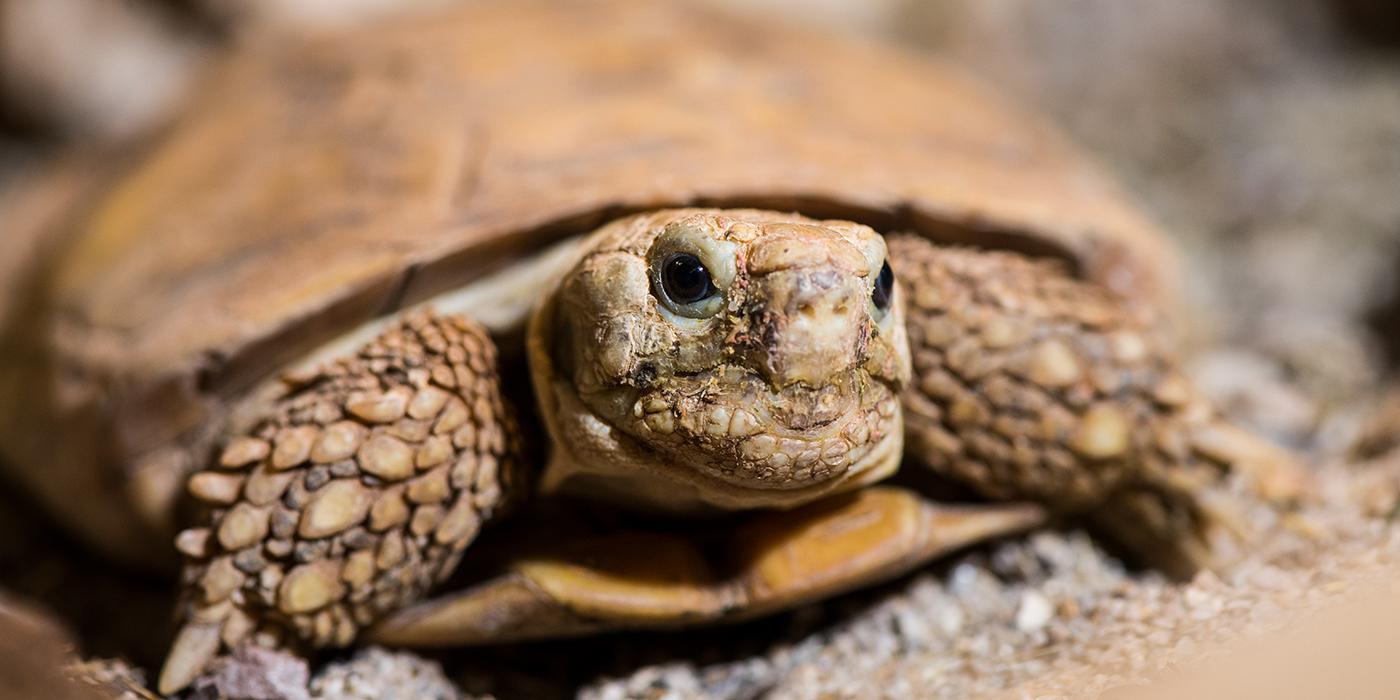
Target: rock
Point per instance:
(254, 673)
(1035, 612)
(376, 674)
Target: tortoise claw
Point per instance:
(195, 646)
(774, 562)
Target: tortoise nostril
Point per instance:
(841, 309)
(807, 311)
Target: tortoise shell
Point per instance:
(318, 182)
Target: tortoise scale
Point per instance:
(747, 273)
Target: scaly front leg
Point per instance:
(1030, 384)
(356, 492)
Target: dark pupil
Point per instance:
(686, 279)
(884, 287)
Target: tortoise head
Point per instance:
(722, 358)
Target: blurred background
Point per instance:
(1263, 135)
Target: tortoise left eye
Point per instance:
(883, 292)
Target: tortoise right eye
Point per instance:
(685, 279)
(883, 292)
(691, 270)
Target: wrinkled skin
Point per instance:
(779, 387)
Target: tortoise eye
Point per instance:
(883, 292)
(686, 280)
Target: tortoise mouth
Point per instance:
(734, 427)
(692, 451)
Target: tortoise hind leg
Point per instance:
(1031, 385)
(356, 491)
(775, 561)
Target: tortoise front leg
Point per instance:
(777, 560)
(356, 492)
(1031, 385)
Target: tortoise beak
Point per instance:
(811, 319)
(814, 327)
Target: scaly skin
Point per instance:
(1030, 384)
(786, 380)
(357, 494)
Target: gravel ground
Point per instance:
(1262, 137)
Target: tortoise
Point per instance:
(674, 293)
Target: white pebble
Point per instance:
(1034, 613)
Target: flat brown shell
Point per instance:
(319, 182)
